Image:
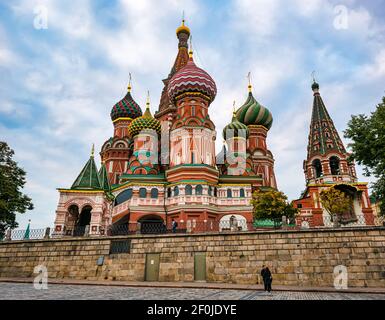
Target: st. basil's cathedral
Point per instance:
(161, 168)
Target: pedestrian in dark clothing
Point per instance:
(267, 279)
(174, 225)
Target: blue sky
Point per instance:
(57, 85)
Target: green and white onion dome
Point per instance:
(253, 113)
(235, 129)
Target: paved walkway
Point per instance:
(26, 291)
(196, 285)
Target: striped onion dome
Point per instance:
(126, 108)
(143, 123)
(235, 129)
(252, 113)
(191, 79)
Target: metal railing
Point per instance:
(185, 227)
(344, 221)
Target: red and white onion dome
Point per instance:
(191, 79)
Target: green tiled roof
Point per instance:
(103, 176)
(88, 177)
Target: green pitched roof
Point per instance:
(103, 176)
(88, 177)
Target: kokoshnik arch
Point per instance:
(164, 167)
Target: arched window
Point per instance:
(229, 193)
(168, 192)
(334, 163)
(198, 190)
(215, 192)
(210, 191)
(123, 196)
(176, 191)
(188, 190)
(154, 193)
(242, 193)
(317, 168)
(142, 193)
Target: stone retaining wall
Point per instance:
(296, 258)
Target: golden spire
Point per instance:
(148, 100)
(250, 87)
(147, 113)
(190, 53)
(93, 150)
(234, 112)
(129, 82)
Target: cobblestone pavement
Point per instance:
(26, 291)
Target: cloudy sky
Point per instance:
(59, 78)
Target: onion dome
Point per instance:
(145, 122)
(235, 129)
(191, 79)
(183, 29)
(315, 86)
(252, 113)
(126, 108)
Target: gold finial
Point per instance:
(147, 113)
(234, 112)
(129, 82)
(190, 53)
(183, 27)
(250, 87)
(148, 100)
(93, 150)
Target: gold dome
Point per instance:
(183, 28)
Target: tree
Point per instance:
(12, 180)
(335, 202)
(271, 204)
(368, 148)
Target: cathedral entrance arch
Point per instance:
(84, 219)
(351, 192)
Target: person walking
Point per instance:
(267, 279)
(174, 225)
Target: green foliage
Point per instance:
(12, 180)
(271, 204)
(368, 147)
(335, 201)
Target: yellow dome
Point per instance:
(183, 28)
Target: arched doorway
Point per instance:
(334, 164)
(317, 165)
(121, 227)
(84, 220)
(152, 224)
(350, 215)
